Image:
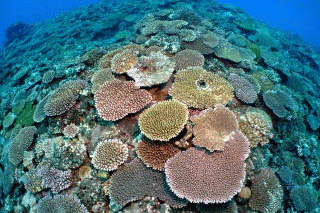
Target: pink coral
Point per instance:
(209, 177)
(116, 99)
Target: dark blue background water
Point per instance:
(299, 16)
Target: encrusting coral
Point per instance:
(213, 127)
(110, 154)
(116, 99)
(201, 89)
(164, 120)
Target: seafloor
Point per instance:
(158, 106)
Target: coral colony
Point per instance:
(174, 106)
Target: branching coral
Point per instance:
(164, 120)
(255, 124)
(110, 154)
(154, 154)
(64, 97)
(209, 178)
(116, 99)
(136, 181)
(188, 58)
(213, 127)
(123, 61)
(21, 143)
(200, 89)
(267, 192)
(71, 131)
(60, 203)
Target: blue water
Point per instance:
(301, 17)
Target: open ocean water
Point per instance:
(158, 106)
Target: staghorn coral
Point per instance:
(64, 97)
(163, 120)
(116, 99)
(100, 77)
(255, 124)
(123, 61)
(154, 154)
(21, 142)
(213, 127)
(188, 58)
(71, 131)
(209, 177)
(267, 192)
(244, 89)
(136, 181)
(198, 88)
(110, 154)
(60, 203)
(156, 68)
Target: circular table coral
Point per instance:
(198, 88)
(110, 154)
(164, 120)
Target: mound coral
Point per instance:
(110, 154)
(156, 68)
(116, 99)
(163, 120)
(209, 177)
(255, 124)
(100, 77)
(245, 90)
(136, 181)
(71, 131)
(198, 88)
(154, 154)
(213, 127)
(123, 61)
(64, 97)
(267, 192)
(21, 142)
(188, 58)
(60, 203)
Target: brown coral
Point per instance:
(116, 99)
(164, 120)
(213, 127)
(267, 192)
(110, 154)
(188, 58)
(123, 61)
(155, 154)
(198, 88)
(209, 178)
(100, 77)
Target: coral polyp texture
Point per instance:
(155, 68)
(64, 97)
(155, 154)
(213, 127)
(255, 124)
(100, 77)
(188, 58)
(110, 154)
(203, 177)
(116, 99)
(164, 120)
(20, 143)
(60, 203)
(136, 181)
(123, 61)
(201, 89)
(267, 192)
(71, 131)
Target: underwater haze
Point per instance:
(160, 106)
